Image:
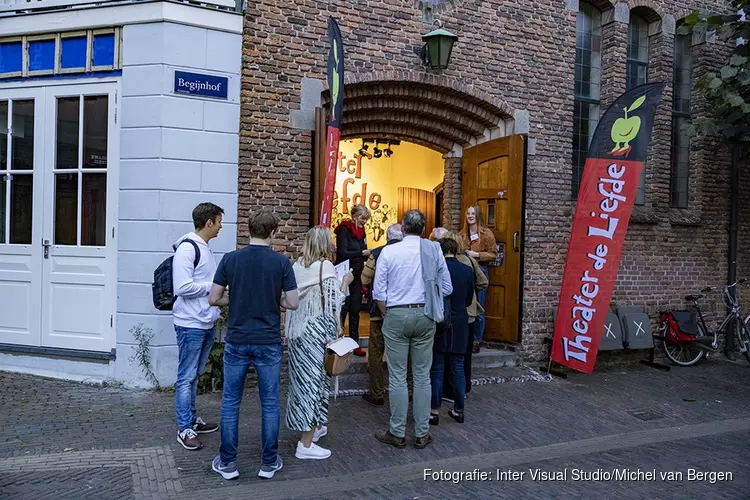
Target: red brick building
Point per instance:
(539, 72)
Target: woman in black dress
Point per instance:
(351, 245)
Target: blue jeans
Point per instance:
(267, 361)
(481, 298)
(458, 376)
(194, 346)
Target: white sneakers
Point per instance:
(320, 433)
(314, 452)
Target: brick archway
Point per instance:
(433, 111)
(430, 110)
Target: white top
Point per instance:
(398, 274)
(192, 286)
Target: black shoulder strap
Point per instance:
(197, 251)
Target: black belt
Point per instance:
(408, 306)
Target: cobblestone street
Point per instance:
(66, 440)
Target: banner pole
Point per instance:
(335, 78)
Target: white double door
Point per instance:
(59, 160)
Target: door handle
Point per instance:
(46, 245)
(515, 241)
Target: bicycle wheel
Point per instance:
(684, 354)
(743, 337)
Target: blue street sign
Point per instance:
(199, 84)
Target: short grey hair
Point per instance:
(438, 233)
(394, 232)
(413, 223)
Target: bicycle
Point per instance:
(684, 334)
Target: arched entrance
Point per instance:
(483, 163)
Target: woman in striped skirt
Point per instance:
(308, 329)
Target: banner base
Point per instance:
(548, 369)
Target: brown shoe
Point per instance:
(201, 427)
(189, 440)
(388, 438)
(373, 401)
(422, 442)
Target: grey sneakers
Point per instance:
(228, 471)
(267, 471)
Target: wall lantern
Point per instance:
(438, 47)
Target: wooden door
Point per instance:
(419, 199)
(493, 179)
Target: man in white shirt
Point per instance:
(399, 289)
(194, 318)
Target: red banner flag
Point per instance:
(605, 201)
(336, 91)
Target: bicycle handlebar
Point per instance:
(726, 287)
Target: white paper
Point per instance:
(341, 270)
(343, 346)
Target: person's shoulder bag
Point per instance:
(429, 254)
(338, 353)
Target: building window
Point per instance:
(60, 53)
(637, 74)
(682, 85)
(11, 57)
(587, 86)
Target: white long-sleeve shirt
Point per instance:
(192, 286)
(398, 274)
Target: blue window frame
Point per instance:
(74, 52)
(57, 53)
(42, 55)
(11, 57)
(104, 50)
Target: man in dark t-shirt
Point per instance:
(260, 283)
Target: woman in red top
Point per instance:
(351, 245)
(481, 245)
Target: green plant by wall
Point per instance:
(221, 323)
(212, 377)
(142, 355)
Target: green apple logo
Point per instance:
(625, 129)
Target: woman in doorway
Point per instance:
(481, 245)
(452, 336)
(351, 245)
(308, 329)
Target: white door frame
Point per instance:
(20, 264)
(66, 266)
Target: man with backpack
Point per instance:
(193, 269)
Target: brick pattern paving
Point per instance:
(79, 484)
(57, 435)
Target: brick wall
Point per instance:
(511, 56)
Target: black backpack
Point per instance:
(162, 287)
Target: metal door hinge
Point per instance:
(113, 231)
(111, 320)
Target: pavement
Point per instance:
(627, 433)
